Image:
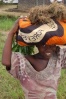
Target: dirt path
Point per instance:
(11, 10)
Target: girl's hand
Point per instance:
(16, 25)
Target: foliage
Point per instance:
(6, 22)
(1, 2)
(61, 94)
(26, 50)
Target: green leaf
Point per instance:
(27, 50)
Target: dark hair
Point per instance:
(57, 50)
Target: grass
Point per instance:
(62, 86)
(10, 87)
(6, 22)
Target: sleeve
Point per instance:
(63, 57)
(14, 71)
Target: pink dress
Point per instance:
(38, 85)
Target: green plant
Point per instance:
(1, 2)
(26, 50)
(6, 22)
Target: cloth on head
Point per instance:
(51, 33)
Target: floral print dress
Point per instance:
(42, 84)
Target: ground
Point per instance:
(11, 10)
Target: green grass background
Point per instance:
(10, 87)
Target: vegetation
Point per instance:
(10, 87)
(6, 22)
(1, 2)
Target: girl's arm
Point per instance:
(6, 56)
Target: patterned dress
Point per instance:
(42, 84)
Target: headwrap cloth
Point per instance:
(51, 33)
